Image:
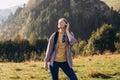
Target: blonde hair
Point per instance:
(65, 20)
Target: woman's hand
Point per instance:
(46, 66)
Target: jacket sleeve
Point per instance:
(49, 48)
(73, 40)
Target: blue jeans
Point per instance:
(66, 69)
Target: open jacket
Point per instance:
(50, 54)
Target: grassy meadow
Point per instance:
(98, 67)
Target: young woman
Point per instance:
(59, 55)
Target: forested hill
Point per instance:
(39, 18)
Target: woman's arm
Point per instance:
(49, 48)
(70, 35)
(48, 52)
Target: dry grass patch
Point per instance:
(97, 67)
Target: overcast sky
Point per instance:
(10, 3)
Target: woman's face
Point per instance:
(61, 24)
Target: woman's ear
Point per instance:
(66, 24)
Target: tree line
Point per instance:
(21, 50)
(103, 39)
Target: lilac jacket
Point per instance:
(50, 54)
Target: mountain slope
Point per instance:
(40, 17)
(4, 13)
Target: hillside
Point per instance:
(4, 13)
(113, 3)
(40, 17)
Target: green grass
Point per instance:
(113, 3)
(99, 67)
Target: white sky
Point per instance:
(10, 3)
